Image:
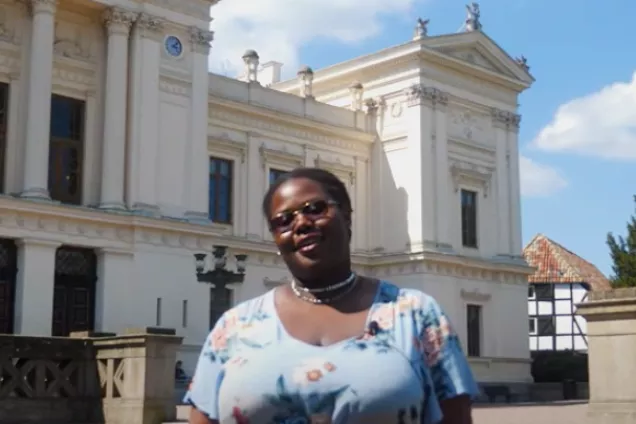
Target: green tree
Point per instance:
(623, 253)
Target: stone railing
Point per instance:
(89, 378)
(611, 331)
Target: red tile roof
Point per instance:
(555, 264)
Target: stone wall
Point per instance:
(88, 378)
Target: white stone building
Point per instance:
(122, 157)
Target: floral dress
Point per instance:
(251, 371)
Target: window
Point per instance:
(473, 324)
(275, 174)
(531, 292)
(66, 152)
(469, 218)
(184, 314)
(532, 326)
(220, 302)
(544, 291)
(158, 312)
(4, 115)
(220, 187)
(545, 326)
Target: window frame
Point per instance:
(470, 350)
(231, 194)
(469, 236)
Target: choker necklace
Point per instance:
(303, 293)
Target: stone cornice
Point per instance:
(149, 26)
(294, 128)
(505, 119)
(200, 40)
(80, 226)
(419, 94)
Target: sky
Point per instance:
(578, 130)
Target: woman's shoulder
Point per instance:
(254, 308)
(413, 298)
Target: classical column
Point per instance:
(143, 116)
(36, 163)
(35, 287)
(422, 145)
(118, 22)
(197, 183)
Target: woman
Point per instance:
(332, 346)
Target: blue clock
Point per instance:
(173, 46)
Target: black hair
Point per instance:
(329, 182)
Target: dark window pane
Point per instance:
(469, 218)
(275, 174)
(66, 149)
(4, 115)
(545, 326)
(473, 324)
(220, 190)
(544, 291)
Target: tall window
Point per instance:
(473, 326)
(4, 115)
(220, 190)
(275, 174)
(66, 152)
(469, 218)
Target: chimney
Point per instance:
(270, 73)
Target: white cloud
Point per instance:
(276, 29)
(600, 124)
(538, 180)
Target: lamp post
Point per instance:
(219, 277)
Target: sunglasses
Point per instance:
(284, 221)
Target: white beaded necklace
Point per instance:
(302, 292)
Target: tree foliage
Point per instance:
(623, 253)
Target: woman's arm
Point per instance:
(198, 417)
(457, 410)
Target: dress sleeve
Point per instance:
(448, 367)
(203, 391)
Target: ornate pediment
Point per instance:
(477, 49)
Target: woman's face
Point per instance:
(309, 229)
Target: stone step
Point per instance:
(183, 413)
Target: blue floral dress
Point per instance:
(251, 371)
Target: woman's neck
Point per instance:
(333, 276)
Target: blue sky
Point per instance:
(579, 118)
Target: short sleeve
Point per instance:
(208, 375)
(448, 367)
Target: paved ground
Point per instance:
(561, 413)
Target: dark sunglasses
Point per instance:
(316, 209)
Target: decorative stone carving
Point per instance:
(418, 94)
(201, 40)
(72, 43)
(371, 106)
(42, 6)
(7, 33)
(118, 20)
(472, 175)
(306, 79)
(506, 119)
(523, 63)
(473, 14)
(475, 295)
(343, 171)
(283, 156)
(466, 125)
(421, 29)
(149, 26)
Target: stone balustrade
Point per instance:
(611, 330)
(89, 378)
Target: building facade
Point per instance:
(561, 281)
(123, 157)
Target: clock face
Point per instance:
(174, 46)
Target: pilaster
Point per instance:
(35, 287)
(36, 163)
(113, 297)
(196, 188)
(118, 23)
(143, 116)
(424, 215)
(508, 182)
